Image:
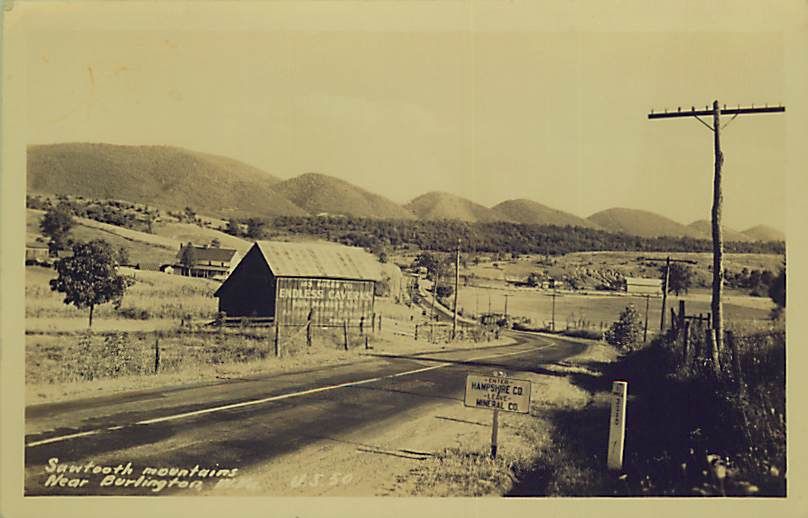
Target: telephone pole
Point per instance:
(552, 324)
(506, 306)
(457, 285)
(718, 245)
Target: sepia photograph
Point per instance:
(400, 249)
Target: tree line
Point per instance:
(489, 237)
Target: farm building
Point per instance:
(287, 281)
(36, 253)
(643, 286)
(205, 261)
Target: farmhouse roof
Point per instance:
(319, 260)
(209, 253)
(643, 281)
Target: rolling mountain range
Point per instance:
(174, 178)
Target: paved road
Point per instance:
(243, 423)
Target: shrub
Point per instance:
(626, 333)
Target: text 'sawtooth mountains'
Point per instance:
(174, 178)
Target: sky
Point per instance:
(489, 101)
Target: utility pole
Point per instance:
(434, 296)
(718, 245)
(506, 306)
(665, 284)
(457, 285)
(552, 324)
(645, 329)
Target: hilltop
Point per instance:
(533, 213)
(705, 230)
(319, 193)
(640, 223)
(163, 176)
(764, 233)
(442, 205)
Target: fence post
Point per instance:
(682, 314)
(362, 325)
(416, 332)
(716, 352)
(345, 333)
(380, 322)
(277, 340)
(366, 343)
(685, 340)
(156, 354)
(673, 323)
(373, 323)
(736, 361)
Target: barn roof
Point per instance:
(319, 260)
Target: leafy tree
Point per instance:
(680, 278)
(626, 333)
(444, 291)
(777, 292)
(123, 255)
(190, 214)
(233, 227)
(255, 228)
(429, 261)
(56, 225)
(188, 255)
(88, 278)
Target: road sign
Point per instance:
(497, 393)
(617, 425)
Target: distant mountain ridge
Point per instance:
(640, 223)
(174, 178)
(764, 233)
(322, 194)
(531, 212)
(162, 176)
(705, 230)
(443, 205)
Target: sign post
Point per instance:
(494, 432)
(497, 392)
(617, 425)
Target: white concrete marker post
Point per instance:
(617, 425)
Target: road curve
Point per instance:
(244, 423)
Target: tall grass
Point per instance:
(701, 431)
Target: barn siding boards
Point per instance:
(287, 281)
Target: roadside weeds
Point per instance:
(541, 454)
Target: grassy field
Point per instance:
(64, 360)
(149, 250)
(154, 296)
(590, 268)
(571, 308)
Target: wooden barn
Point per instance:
(287, 281)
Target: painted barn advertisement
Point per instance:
(330, 301)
